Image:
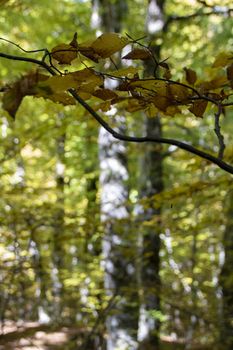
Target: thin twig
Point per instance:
(21, 48)
(217, 130)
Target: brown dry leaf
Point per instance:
(89, 52)
(138, 54)
(64, 53)
(198, 108)
(190, 75)
(109, 43)
(105, 94)
(230, 72)
(74, 42)
(25, 86)
(167, 74)
(161, 102)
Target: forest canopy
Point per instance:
(116, 175)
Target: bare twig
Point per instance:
(217, 130)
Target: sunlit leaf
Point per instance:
(109, 43)
(223, 59)
(138, 54)
(178, 92)
(125, 72)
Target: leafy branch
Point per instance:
(160, 93)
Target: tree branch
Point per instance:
(215, 10)
(182, 145)
(217, 130)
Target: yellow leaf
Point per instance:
(215, 83)
(150, 85)
(151, 110)
(172, 110)
(178, 93)
(223, 59)
(64, 53)
(103, 106)
(59, 97)
(85, 75)
(108, 44)
(125, 72)
(60, 83)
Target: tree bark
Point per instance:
(121, 321)
(151, 183)
(226, 280)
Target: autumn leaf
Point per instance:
(190, 76)
(74, 42)
(64, 53)
(105, 94)
(198, 108)
(215, 83)
(230, 72)
(178, 92)
(124, 72)
(59, 83)
(15, 93)
(223, 59)
(138, 54)
(89, 52)
(58, 97)
(109, 43)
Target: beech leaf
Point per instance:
(109, 43)
(190, 76)
(105, 94)
(198, 108)
(138, 54)
(64, 53)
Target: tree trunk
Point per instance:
(151, 183)
(59, 229)
(226, 280)
(121, 321)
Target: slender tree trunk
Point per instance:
(121, 322)
(226, 280)
(58, 244)
(151, 183)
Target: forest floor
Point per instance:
(34, 336)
